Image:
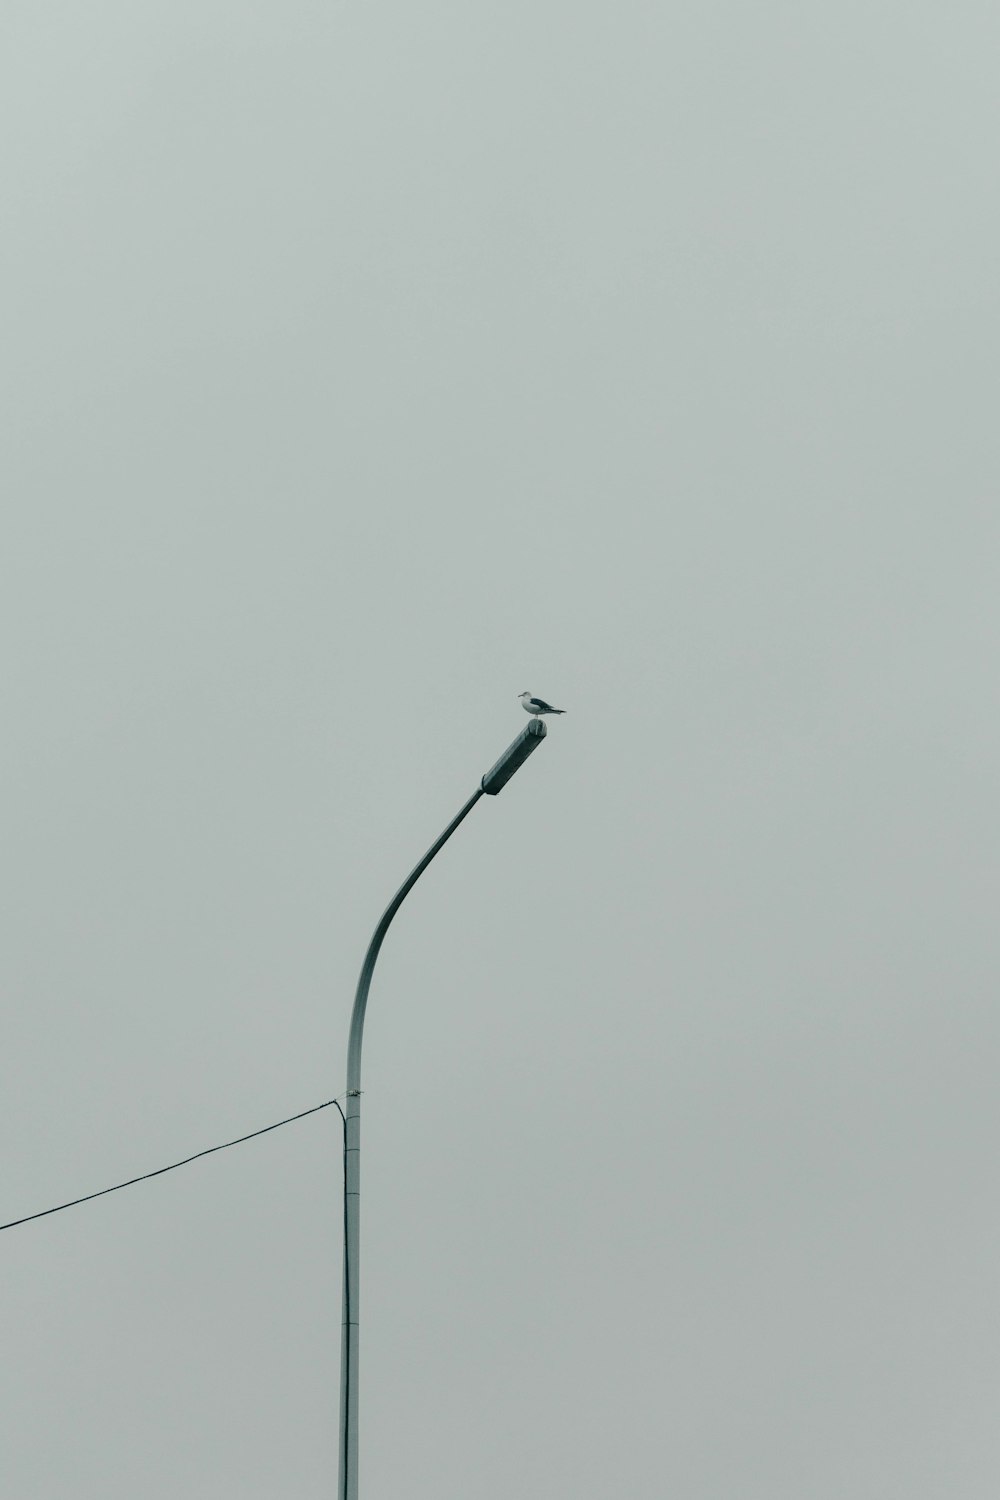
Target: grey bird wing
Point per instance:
(545, 707)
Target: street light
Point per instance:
(495, 779)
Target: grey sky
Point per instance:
(363, 367)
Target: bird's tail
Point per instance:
(557, 710)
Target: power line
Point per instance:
(175, 1164)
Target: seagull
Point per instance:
(537, 706)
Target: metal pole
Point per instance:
(513, 757)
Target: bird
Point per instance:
(537, 706)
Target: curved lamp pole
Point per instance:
(514, 756)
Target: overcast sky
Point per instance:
(364, 365)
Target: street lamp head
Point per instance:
(513, 757)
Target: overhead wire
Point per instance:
(145, 1176)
